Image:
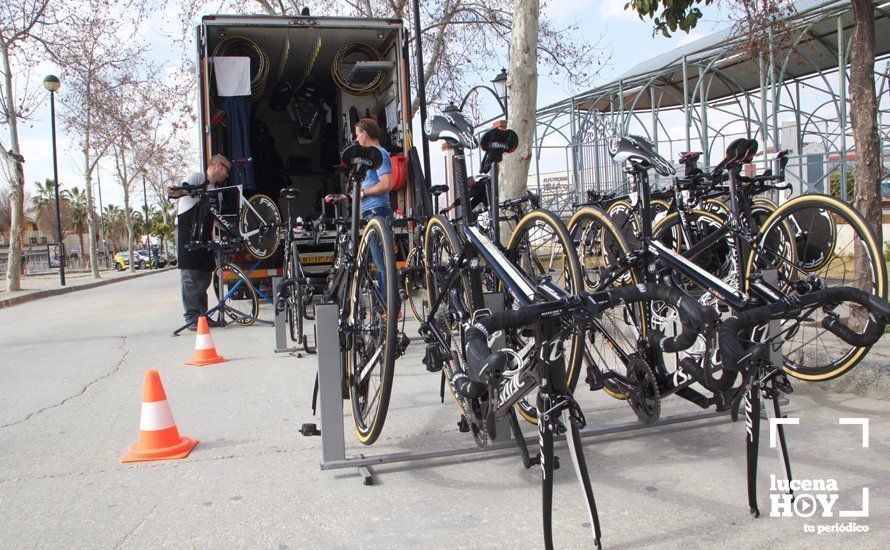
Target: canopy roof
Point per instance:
(727, 71)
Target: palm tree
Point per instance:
(115, 226)
(44, 206)
(78, 221)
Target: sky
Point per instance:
(624, 37)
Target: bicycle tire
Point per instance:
(869, 267)
(241, 302)
(260, 245)
(531, 226)
(413, 282)
(599, 249)
(439, 237)
(368, 419)
(294, 297)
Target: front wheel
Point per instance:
(241, 304)
(541, 247)
(370, 352)
(413, 283)
(834, 247)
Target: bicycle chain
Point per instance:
(646, 388)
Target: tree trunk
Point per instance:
(863, 119)
(17, 185)
(91, 221)
(522, 85)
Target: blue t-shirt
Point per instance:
(372, 178)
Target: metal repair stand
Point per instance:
(333, 443)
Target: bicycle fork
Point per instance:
(553, 399)
(764, 387)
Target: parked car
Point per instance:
(140, 258)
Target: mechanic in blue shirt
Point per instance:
(375, 190)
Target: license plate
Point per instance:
(310, 259)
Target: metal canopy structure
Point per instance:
(703, 94)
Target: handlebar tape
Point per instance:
(694, 318)
(734, 355)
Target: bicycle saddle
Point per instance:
(335, 197)
(365, 157)
(639, 152)
(738, 152)
(452, 127)
(438, 189)
(289, 193)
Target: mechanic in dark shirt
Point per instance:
(196, 266)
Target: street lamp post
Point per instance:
(52, 84)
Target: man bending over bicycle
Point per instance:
(196, 266)
(375, 189)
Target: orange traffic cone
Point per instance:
(159, 437)
(205, 352)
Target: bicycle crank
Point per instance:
(643, 397)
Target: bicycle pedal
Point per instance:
(309, 430)
(463, 426)
(536, 461)
(402, 341)
(432, 359)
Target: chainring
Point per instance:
(643, 397)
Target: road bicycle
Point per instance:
(258, 217)
(368, 314)
(765, 379)
(614, 344)
(294, 292)
(486, 379)
(455, 261)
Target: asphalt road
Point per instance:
(72, 369)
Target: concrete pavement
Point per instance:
(72, 369)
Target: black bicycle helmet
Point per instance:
(452, 127)
(639, 151)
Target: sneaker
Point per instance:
(193, 327)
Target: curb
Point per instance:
(16, 300)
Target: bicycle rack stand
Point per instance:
(281, 340)
(333, 443)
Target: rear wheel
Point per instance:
(413, 283)
(373, 314)
(258, 224)
(615, 333)
(239, 296)
(851, 258)
(294, 297)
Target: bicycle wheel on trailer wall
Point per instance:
(258, 224)
(851, 258)
(241, 303)
(373, 315)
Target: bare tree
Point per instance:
(522, 83)
(88, 47)
(461, 37)
(142, 120)
(21, 21)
